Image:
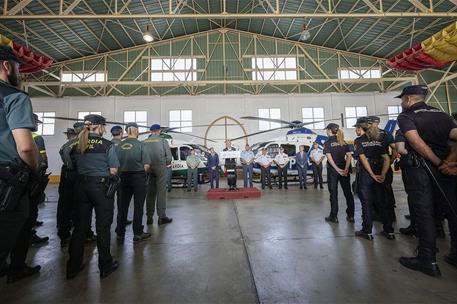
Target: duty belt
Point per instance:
(94, 179)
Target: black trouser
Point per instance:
(317, 173)
(265, 176)
(65, 205)
(282, 174)
(91, 192)
(11, 227)
(410, 202)
(132, 184)
(332, 182)
(425, 198)
(21, 248)
(390, 197)
(370, 193)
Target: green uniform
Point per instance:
(192, 171)
(39, 142)
(116, 141)
(15, 113)
(132, 155)
(99, 157)
(65, 151)
(160, 155)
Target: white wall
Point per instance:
(205, 109)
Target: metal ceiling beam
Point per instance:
(420, 6)
(18, 7)
(371, 6)
(219, 82)
(71, 7)
(228, 16)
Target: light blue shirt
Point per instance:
(247, 155)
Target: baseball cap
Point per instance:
(332, 127)
(155, 127)
(6, 53)
(420, 89)
(78, 126)
(70, 131)
(374, 119)
(131, 125)
(116, 130)
(94, 119)
(361, 121)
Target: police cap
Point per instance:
(116, 130)
(363, 121)
(70, 131)
(94, 119)
(131, 125)
(37, 120)
(78, 126)
(332, 127)
(155, 127)
(414, 90)
(374, 119)
(6, 53)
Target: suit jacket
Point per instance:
(213, 161)
(301, 161)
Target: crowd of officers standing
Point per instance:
(95, 170)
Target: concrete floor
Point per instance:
(277, 249)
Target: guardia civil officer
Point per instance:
(192, 161)
(134, 163)
(160, 156)
(372, 166)
(96, 162)
(39, 196)
(388, 141)
(18, 160)
(339, 160)
(68, 177)
(428, 131)
(117, 132)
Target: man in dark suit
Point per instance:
(301, 158)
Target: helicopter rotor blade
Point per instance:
(280, 121)
(82, 120)
(167, 129)
(191, 135)
(260, 132)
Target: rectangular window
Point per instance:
(313, 115)
(83, 76)
(81, 115)
(274, 68)
(48, 125)
(139, 117)
(174, 69)
(393, 111)
(352, 113)
(181, 119)
(357, 73)
(273, 113)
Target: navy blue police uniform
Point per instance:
(370, 191)
(434, 127)
(338, 153)
(93, 167)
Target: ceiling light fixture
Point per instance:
(305, 34)
(147, 36)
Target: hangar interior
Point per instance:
(280, 59)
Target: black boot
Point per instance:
(25, 272)
(165, 220)
(363, 234)
(410, 231)
(332, 219)
(415, 263)
(109, 269)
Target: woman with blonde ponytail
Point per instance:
(372, 166)
(95, 161)
(338, 171)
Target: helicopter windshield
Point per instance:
(289, 149)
